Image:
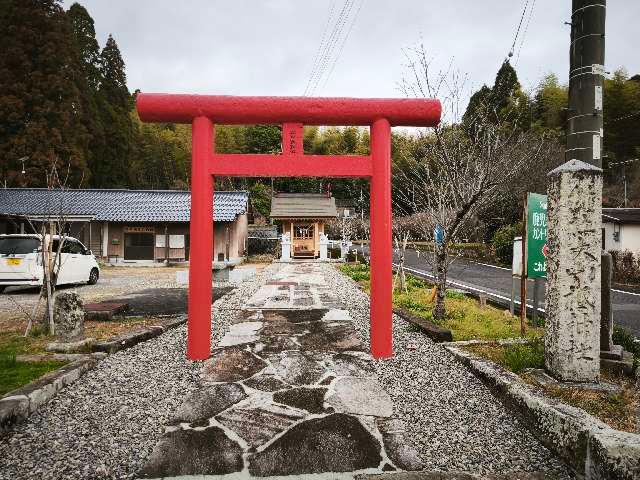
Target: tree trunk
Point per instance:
(441, 282)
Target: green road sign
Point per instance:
(536, 235)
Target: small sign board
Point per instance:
(516, 265)
(536, 245)
(438, 234)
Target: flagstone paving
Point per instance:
(289, 390)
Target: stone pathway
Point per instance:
(289, 390)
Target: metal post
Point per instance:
(513, 295)
(537, 282)
(523, 274)
(201, 236)
(381, 248)
(586, 78)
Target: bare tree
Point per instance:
(455, 171)
(52, 221)
(402, 229)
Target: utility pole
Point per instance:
(586, 78)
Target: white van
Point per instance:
(21, 261)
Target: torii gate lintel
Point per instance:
(292, 113)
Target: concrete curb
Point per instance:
(18, 404)
(585, 443)
(129, 339)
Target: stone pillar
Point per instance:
(572, 333)
(606, 316)
(68, 316)
(285, 241)
(324, 242)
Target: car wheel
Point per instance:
(93, 276)
(2, 287)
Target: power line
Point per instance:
(320, 46)
(333, 39)
(344, 41)
(335, 35)
(324, 50)
(526, 29)
(515, 38)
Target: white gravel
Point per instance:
(452, 419)
(107, 423)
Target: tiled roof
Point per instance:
(621, 215)
(303, 205)
(117, 205)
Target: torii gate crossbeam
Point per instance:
(202, 111)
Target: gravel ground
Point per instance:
(114, 281)
(453, 420)
(107, 423)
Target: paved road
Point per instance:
(496, 282)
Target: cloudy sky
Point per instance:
(268, 47)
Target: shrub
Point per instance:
(357, 271)
(518, 357)
(502, 242)
(626, 267)
(628, 342)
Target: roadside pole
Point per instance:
(516, 272)
(523, 274)
(537, 283)
(586, 79)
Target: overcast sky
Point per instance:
(254, 47)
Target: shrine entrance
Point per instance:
(202, 111)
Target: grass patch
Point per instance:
(14, 374)
(617, 410)
(516, 357)
(464, 316)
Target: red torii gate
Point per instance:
(292, 113)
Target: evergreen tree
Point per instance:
(550, 106)
(41, 112)
(478, 105)
(114, 105)
(84, 34)
(88, 52)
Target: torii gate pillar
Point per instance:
(292, 112)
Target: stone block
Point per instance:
(360, 396)
(614, 455)
(624, 366)
(13, 409)
(82, 345)
(68, 315)
(572, 333)
(193, 452)
(318, 445)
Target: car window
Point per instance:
(18, 245)
(75, 247)
(66, 246)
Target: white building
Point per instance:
(621, 229)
